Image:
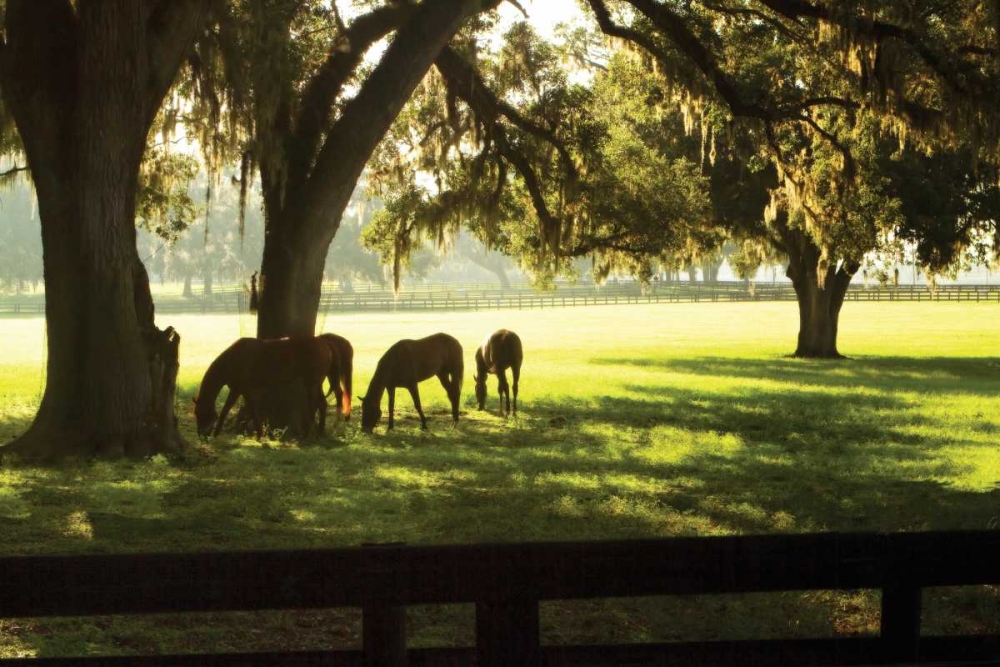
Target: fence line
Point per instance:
(506, 582)
(491, 297)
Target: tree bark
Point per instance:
(820, 293)
(290, 289)
(84, 84)
(206, 284)
(188, 292)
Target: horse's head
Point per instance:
(205, 416)
(480, 390)
(371, 412)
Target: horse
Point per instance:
(341, 371)
(252, 365)
(407, 363)
(499, 352)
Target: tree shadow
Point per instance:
(952, 375)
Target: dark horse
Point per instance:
(341, 371)
(499, 352)
(407, 363)
(251, 366)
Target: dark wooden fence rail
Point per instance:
(506, 583)
(486, 297)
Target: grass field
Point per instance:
(636, 421)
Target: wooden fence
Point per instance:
(506, 583)
(484, 297)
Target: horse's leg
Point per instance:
(450, 384)
(506, 391)
(392, 406)
(316, 400)
(226, 407)
(257, 426)
(456, 397)
(321, 402)
(415, 393)
(516, 372)
(338, 395)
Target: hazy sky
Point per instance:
(543, 14)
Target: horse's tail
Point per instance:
(346, 373)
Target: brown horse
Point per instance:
(341, 371)
(407, 363)
(251, 365)
(499, 352)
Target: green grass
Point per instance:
(636, 421)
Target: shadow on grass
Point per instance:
(952, 375)
(13, 426)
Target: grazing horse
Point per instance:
(251, 366)
(499, 352)
(407, 363)
(341, 371)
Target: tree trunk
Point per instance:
(206, 284)
(188, 292)
(504, 280)
(710, 271)
(820, 294)
(289, 294)
(290, 289)
(84, 86)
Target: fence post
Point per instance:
(383, 624)
(901, 622)
(507, 633)
(383, 632)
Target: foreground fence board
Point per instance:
(402, 575)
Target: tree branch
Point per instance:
(366, 118)
(171, 29)
(760, 16)
(10, 172)
(326, 84)
(966, 82)
(464, 82)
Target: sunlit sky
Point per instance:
(543, 14)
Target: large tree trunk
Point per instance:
(290, 289)
(84, 86)
(820, 292)
(502, 275)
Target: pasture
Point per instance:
(634, 421)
